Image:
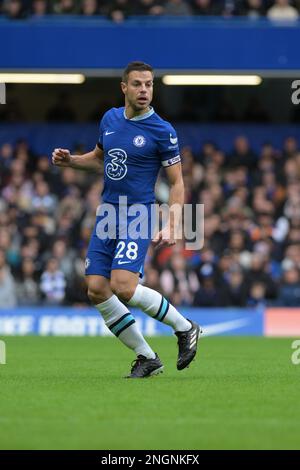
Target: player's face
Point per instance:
(138, 90)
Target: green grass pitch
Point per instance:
(68, 393)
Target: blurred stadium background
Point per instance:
(239, 145)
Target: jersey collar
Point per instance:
(140, 118)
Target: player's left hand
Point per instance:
(164, 237)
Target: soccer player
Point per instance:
(134, 143)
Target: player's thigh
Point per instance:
(98, 286)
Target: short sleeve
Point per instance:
(168, 146)
(101, 132)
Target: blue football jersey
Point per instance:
(134, 150)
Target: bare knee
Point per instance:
(98, 289)
(122, 290)
(124, 286)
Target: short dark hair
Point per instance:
(136, 65)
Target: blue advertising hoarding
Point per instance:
(60, 321)
(99, 44)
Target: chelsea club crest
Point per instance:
(139, 141)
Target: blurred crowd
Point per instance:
(251, 252)
(120, 10)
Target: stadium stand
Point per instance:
(119, 10)
(251, 255)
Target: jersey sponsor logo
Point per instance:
(116, 169)
(139, 141)
(173, 140)
(172, 147)
(109, 132)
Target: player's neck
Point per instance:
(131, 113)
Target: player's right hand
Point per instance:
(61, 157)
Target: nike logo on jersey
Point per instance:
(123, 262)
(173, 140)
(108, 133)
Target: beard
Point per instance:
(139, 106)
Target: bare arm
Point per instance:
(174, 174)
(91, 161)
(167, 236)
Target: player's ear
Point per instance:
(123, 87)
